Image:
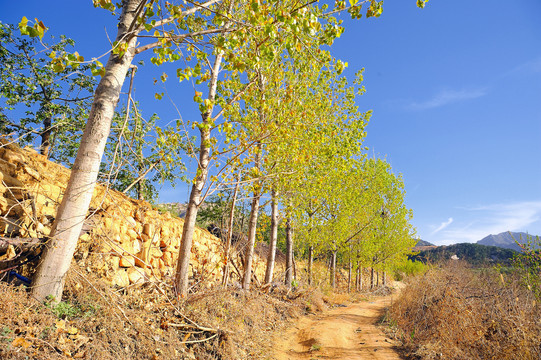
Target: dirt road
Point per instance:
(341, 333)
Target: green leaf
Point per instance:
(421, 3)
(23, 26)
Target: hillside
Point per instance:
(475, 254)
(507, 240)
(423, 243)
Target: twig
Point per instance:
(199, 341)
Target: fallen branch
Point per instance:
(20, 242)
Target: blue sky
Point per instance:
(456, 94)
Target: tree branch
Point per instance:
(182, 37)
(185, 13)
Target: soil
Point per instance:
(348, 332)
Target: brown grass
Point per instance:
(146, 322)
(461, 313)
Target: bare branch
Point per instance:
(182, 37)
(187, 12)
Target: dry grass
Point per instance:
(146, 322)
(461, 313)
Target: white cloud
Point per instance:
(529, 67)
(442, 226)
(446, 97)
(494, 219)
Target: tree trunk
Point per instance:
(46, 137)
(371, 278)
(333, 269)
(254, 212)
(252, 227)
(310, 263)
(384, 278)
(361, 284)
(183, 262)
(293, 259)
(377, 278)
(288, 279)
(357, 273)
(225, 278)
(141, 167)
(349, 275)
(273, 239)
(57, 256)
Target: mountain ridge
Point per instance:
(507, 240)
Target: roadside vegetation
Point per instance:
(459, 312)
(95, 321)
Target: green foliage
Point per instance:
(68, 311)
(409, 268)
(215, 210)
(358, 211)
(475, 254)
(421, 3)
(529, 262)
(277, 108)
(54, 102)
(140, 154)
(36, 30)
(5, 331)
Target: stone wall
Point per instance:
(124, 240)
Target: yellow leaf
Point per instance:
(10, 254)
(19, 341)
(61, 324)
(186, 337)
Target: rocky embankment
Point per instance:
(125, 241)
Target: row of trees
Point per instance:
(278, 119)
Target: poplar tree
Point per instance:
(231, 29)
(136, 16)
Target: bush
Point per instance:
(410, 268)
(529, 263)
(458, 313)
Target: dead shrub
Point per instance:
(461, 313)
(96, 321)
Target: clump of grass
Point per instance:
(68, 311)
(460, 313)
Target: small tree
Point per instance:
(140, 154)
(529, 261)
(55, 101)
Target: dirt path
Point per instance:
(341, 333)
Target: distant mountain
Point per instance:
(423, 243)
(506, 240)
(175, 208)
(475, 254)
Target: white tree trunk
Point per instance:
(252, 227)
(225, 278)
(289, 254)
(273, 239)
(182, 271)
(310, 263)
(181, 275)
(57, 256)
(333, 269)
